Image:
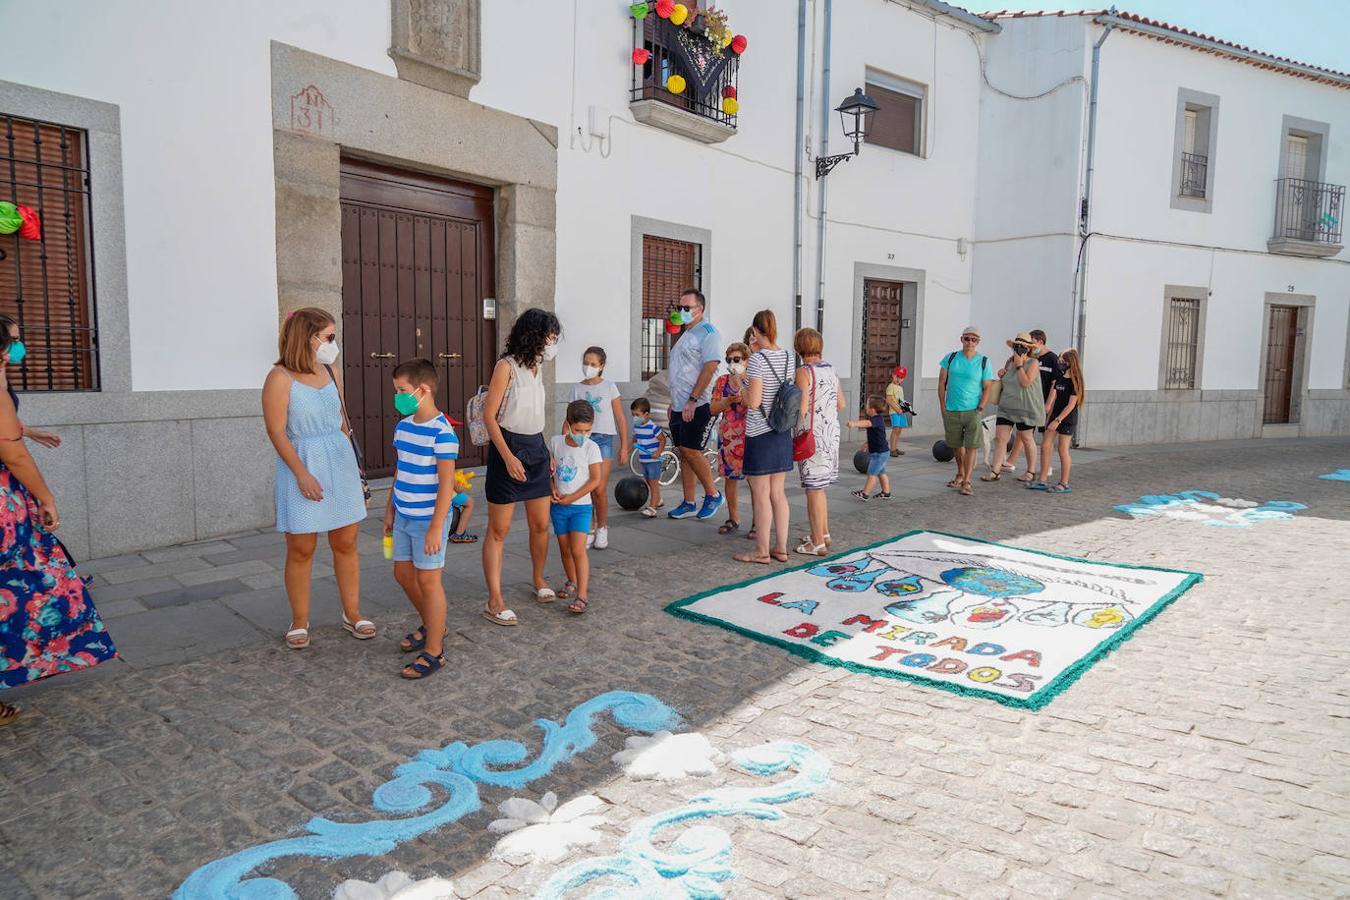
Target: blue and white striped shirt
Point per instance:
(647, 438)
(419, 445)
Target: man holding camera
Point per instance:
(963, 391)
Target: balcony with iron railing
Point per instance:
(697, 111)
(1194, 171)
(1307, 218)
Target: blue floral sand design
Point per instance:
(697, 863)
(1338, 475)
(456, 768)
(1183, 503)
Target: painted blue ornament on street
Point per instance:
(1208, 508)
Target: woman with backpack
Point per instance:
(773, 403)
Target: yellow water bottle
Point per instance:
(388, 546)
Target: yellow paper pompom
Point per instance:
(726, 39)
(679, 14)
(675, 84)
(730, 105)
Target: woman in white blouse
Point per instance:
(768, 453)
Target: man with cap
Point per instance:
(963, 391)
(895, 405)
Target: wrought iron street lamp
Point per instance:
(856, 115)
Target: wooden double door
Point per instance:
(888, 336)
(1281, 345)
(417, 264)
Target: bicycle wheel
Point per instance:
(634, 464)
(670, 467)
(714, 464)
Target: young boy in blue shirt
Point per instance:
(650, 442)
(576, 472)
(418, 513)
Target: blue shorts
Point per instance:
(876, 462)
(651, 471)
(606, 444)
(899, 420)
(570, 519)
(410, 537)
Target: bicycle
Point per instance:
(670, 462)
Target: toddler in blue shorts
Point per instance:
(650, 442)
(576, 472)
(877, 452)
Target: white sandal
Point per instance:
(358, 629)
(505, 617)
(809, 549)
(545, 595)
(298, 638)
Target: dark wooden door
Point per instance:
(1280, 363)
(882, 338)
(417, 261)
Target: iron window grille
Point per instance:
(1308, 210)
(1183, 342)
(46, 285)
(672, 47)
(1194, 171)
(668, 267)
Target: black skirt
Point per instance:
(533, 455)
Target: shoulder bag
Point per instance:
(351, 436)
(804, 444)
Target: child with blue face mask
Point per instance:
(576, 472)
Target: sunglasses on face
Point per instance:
(327, 340)
(970, 339)
(734, 359)
(686, 309)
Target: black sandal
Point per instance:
(8, 713)
(729, 526)
(578, 606)
(414, 641)
(425, 665)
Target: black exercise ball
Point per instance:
(941, 452)
(860, 461)
(631, 492)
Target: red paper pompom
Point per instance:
(737, 43)
(31, 229)
(729, 91)
(641, 55)
(672, 328)
(664, 8)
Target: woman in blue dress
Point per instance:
(318, 480)
(48, 624)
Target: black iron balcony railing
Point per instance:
(1194, 169)
(1308, 210)
(676, 50)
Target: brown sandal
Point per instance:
(780, 555)
(578, 606)
(8, 713)
(966, 489)
(758, 560)
(992, 476)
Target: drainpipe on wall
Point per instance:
(1085, 210)
(797, 151)
(824, 183)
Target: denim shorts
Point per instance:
(651, 471)
(876, 462)
(570, 519)
(606, 444)
(410, 537)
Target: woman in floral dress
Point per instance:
(821, 403)
(726, 402)
(48, 623)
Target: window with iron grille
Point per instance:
(668, 267)
(46, 284)
(1183, 341)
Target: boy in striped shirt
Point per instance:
(649, 441)
(418, 514)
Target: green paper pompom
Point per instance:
(10, 220)
(675, 317)
(639, 10)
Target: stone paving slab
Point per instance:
(1205, 757)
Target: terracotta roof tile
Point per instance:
(1278, 63)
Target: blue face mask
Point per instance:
(17, 351)
(638, 420)
(686, 316)
(580, 439)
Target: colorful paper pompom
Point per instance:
(31, 229)
(729, 91)
(730, 105)
(664, 8)
(738, 44)
(641, 55)
(672, 328)
(10, 220)
(639, 10)
(675, 84)
(679, 14)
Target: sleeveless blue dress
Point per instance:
(314, 425)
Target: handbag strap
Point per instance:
(351, 433)
(812, 425)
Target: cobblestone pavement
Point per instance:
(1207, 756)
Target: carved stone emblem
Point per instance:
(436, 43)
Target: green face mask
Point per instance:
(406, 404)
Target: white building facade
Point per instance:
(424, 169)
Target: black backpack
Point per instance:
(787, 403)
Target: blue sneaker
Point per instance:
(710, 506)
(683, 511)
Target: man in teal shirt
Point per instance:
(963, 391)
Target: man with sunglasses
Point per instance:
(963, 391)
(693, 363)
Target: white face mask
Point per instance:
(590, 371)
(327, 353)
(550, 350)
(736, 368)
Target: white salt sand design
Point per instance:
(545, 831)
(958, 613)
(395, 886)
(668, 757)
